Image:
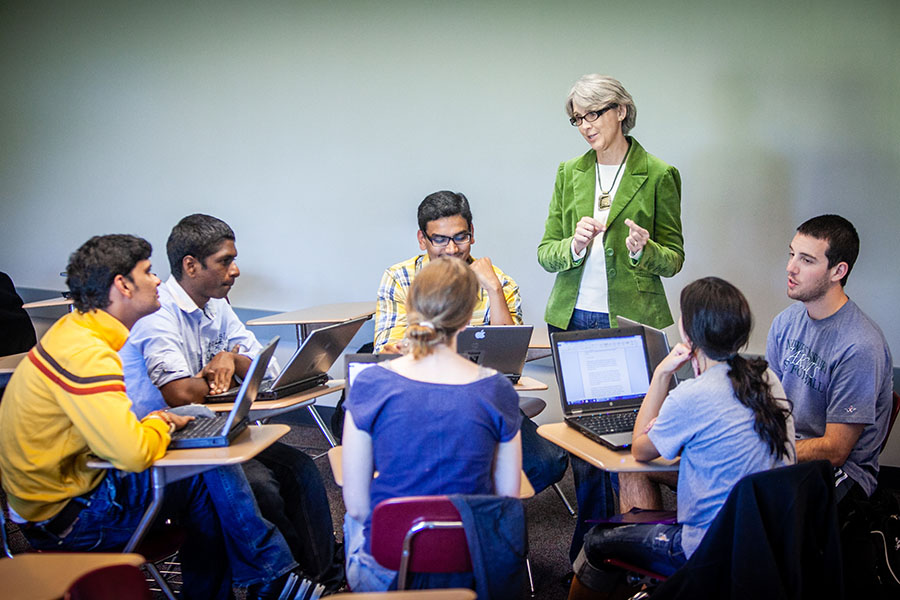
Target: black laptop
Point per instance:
(309, 365)
(500, 347)
(603, 376)
(207, 432)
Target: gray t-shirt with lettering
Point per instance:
(835, 370)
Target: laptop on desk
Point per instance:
(500, 347)
(208, 432)
(603, 376)
(309, 365)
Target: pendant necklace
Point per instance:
(604, 201)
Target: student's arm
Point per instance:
(835, 446)
(490, 282)
(358, 467)
(508, 467)
(390, 314)
(187, 390)
(642, 447)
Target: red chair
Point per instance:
(110, 583)
(419, 534)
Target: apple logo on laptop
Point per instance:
(480, 334)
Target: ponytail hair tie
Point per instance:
(427, 324)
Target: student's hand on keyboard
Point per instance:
(220, 370)
(172, 420)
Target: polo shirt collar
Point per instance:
(184, 301)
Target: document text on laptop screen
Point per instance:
(603, 369)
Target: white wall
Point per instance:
(315, 128)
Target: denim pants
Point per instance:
(290, 493)
(364, 574)
(256, 549)
(656, 547)
(209, 558)
(543, 461)
(594, 491)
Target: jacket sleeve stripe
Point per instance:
(97, 389)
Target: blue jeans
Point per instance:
(209, 558)
(543, 461)
(256, 549)
(290, 493)
(364, 574)
(653, 547)
(594, 488)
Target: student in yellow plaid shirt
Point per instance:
(445, 229)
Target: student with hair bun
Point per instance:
(430, 422)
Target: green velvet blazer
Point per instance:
(650, 195)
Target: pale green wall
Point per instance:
(315, 128)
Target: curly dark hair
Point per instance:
(93, 267)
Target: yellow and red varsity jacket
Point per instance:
(66, 401)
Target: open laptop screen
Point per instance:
(357, 363)
(603, 372)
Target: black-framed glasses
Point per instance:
(439, 241)
(591, 116)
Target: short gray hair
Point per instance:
(594, 92)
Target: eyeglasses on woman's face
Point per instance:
(590, 116)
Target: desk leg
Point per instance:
(158, 479)
(322, 427)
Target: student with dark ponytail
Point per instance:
(730, 421)
(430, 422)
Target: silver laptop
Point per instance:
(657, 345)
(309, 365)
(603, 376)
(500, 347)
(207, 432)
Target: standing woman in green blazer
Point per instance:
(613, 230)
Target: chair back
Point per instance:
(785, 521)
(421, 534)
(110, 583)
(894, 410)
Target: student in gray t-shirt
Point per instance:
(833, 361)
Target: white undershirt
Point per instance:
(593, 292)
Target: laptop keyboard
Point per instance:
(616, 422)
(201, 427)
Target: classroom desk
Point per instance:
(9, 363)
(336, 454)
(539, 345)
(180, 464)
(49, 302)
(263, 410)
(47, 575)
(529, 384)
(313, 317)
(445, 594)
(616, 461)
